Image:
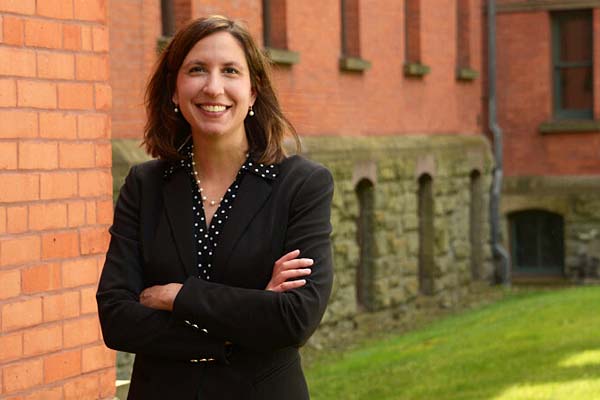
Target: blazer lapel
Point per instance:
(178, 204)
(252, 194)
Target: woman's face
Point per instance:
(213, 88)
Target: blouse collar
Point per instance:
(268, 172)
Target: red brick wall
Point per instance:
(525, 101)
(318, 97)
(134, 29)
(322, 100)
(55, 198)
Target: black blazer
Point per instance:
(152, 244)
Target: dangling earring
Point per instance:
(176, 109)
(251, 112)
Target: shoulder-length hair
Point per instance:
(166, 130)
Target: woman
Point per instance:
(219, 265)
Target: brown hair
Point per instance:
(166, 131)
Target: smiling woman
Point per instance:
(219, 265)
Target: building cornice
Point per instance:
(545, 5)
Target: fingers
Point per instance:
(297, 263)
(293, 273)
(289, 256)
(288, 285)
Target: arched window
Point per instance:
(365, 235)
(426, 234)
(537, 242)
(476, 224)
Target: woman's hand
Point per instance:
(160, 297)
(289, 267)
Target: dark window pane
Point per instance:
(526, 240)
(537, 241)
(551, 240)
(576, 37)
(576, 88)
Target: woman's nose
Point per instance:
(213, 85)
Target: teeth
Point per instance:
(213, 108)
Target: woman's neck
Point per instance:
(218, 160)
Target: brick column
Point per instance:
(55, 198)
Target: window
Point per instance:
(412, 39)
(365, 235)
(350, 29)
(572, 60)
(274, 24)
(426, 235)
(476, 224)
(275, 32)
(537, 242)
(350, 59)
(464, 72)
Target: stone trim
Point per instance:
(466, 74)
(570, 126)
(559, 185)
(354, 64)
(125, 154)
(416, 70)
(475, 161)
(162, 42)
(375, 147)
(425, 165)
(546, 5)
(364, 170)
(282, 56)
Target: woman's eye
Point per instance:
(197, 69)
(230, 70)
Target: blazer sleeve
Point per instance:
(126, 324)
(263, 320)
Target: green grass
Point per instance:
(529, 346)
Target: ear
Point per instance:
(175, 98)
(252, 96)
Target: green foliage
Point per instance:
(534, 346)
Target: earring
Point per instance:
(251, 112)
(176, 109)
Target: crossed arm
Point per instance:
(289, 266)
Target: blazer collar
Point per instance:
(254, 190)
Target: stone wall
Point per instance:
(393, 165)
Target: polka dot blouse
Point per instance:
(206, 237)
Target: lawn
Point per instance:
(528, 346)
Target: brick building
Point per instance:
(55, 198)
(548, 107)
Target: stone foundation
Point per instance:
(393, 165)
